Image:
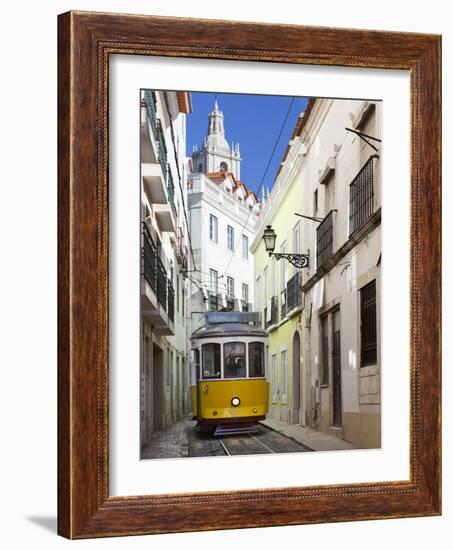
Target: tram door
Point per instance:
(336, 352)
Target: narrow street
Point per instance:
(183, 440)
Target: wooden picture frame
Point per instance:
(85, 41)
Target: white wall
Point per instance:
(28, 289)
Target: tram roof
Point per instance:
(229, 329)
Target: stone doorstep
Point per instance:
(316, 441)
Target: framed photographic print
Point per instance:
(249, 275)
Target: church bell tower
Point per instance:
(216, 155)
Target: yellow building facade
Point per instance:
(278, 295)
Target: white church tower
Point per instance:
(223, 214)
(216, 154)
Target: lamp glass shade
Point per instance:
(269, 237)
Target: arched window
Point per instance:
(200, 167)
(223, 166)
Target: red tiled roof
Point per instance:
(219, 177)
(184, 102)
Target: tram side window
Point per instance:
(256, 360)
(234, 360)
(211, 361)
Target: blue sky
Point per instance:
(253, 121)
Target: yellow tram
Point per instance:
(229, 378)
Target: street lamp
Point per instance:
(269, 237)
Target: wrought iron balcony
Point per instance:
(274, 312)
(171, 302)
(294, 291)
(171, 189)
(150, 102)
(213, 301)
(283, 303)
(361, 196)
(149, 254)
(161, 286)
(324, 240)
(161, 148)
(230, 303)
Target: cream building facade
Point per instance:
(342, 187)
(325, 353)
(164, 373)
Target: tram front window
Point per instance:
(211, 361)
(234, 360)
(256, 360)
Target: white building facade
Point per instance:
(223, 214)
(342, 288)
(164, 375)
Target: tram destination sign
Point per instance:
(217, 317)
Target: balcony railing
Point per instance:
(155, 274)
(161, 290)
(324, 240)
(171, 301)
(272, 320)
(230, 303)
(171, 189)
(213, 301)
(294, 291)
(149, 254)
(150, 102)
(162, 148)
(283, 303)
(361, 196)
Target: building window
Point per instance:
(256, 360)
(234, 360)
(284, 375)
(230, 237)
(177, 293)
(275, 390)
(324, 351)
(245, 297)
(296, 242)
(214, 289)
(183, 305)
(283, 268)
(258, 294)
(223, 167)
(211, 361)
(245, 247)
(265, 286)
(230, 293)
(315, 202)
(368, 336)
(213, 228)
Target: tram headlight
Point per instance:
(235, 401)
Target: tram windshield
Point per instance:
(256, 359)
(234, 360)
(211, 361)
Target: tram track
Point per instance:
(244, 444)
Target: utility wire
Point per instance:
(261, 183)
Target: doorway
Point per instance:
(295, 409)
(158, 389)
(336, 364)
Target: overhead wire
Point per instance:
(261, 183)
